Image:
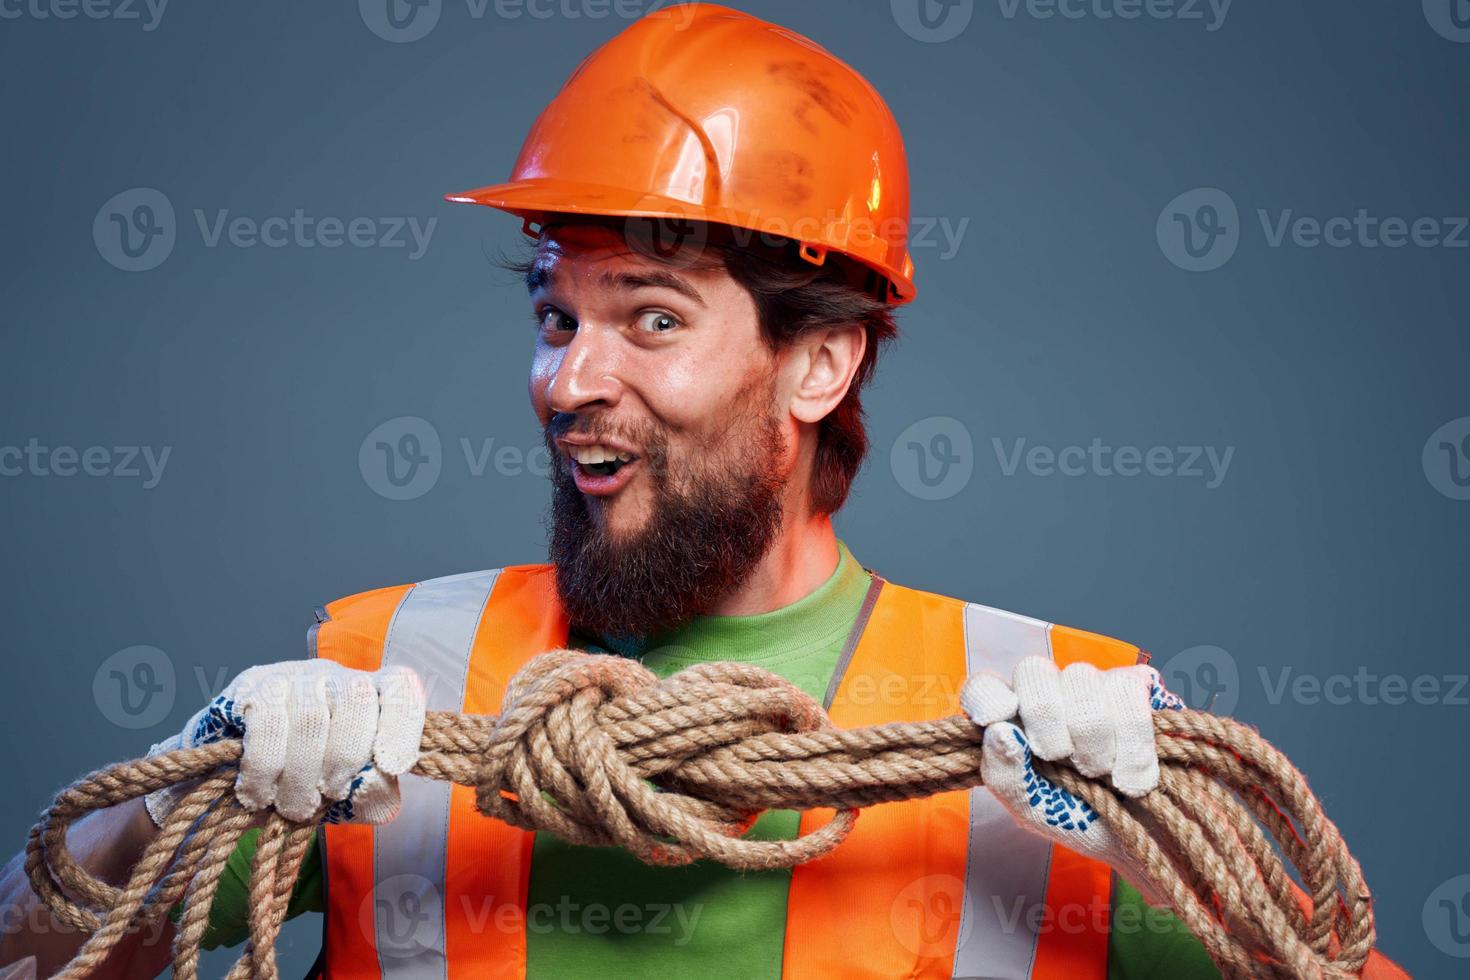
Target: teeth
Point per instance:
(591, 455)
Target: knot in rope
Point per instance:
(597, 750)
(591, 747)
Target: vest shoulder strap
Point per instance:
(918, 881)
(358, 624)
(948, 885)
(407, 897)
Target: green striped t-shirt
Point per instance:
(598, 912)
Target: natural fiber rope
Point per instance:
(677, 770)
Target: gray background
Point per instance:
(1330, 546)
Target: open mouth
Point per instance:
(600, 461)
(607, 468)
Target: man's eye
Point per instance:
(656, 322)
(554, 320)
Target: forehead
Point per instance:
(577, 256)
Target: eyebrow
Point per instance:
(538, 276)
(652, 279)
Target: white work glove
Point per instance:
(313, 731)
(1100, 720)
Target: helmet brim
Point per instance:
(535, 200)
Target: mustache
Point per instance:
(565, 423)
(645, 436)
(560, 424)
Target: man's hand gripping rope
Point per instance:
(677, 769)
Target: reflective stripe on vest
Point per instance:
(439, 883)
(946, 886)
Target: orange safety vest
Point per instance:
(947, 886)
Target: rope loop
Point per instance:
(582, 740)
(599, 751)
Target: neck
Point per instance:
(803, 556)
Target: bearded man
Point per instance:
(719, 214)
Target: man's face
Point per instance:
(659, 401)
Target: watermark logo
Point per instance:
(932, 21)
(1209, 464)
(1204, 677)
(1362, 230)
(135, 687)
(661, 227)
(402, 458)
(37, 919)
(404, 21)
(1449, 18)
(926, 917)
(1211, 13)
(1446, 917)
(1199, 230)
(934, 458)
(1015, 914)
(1446, 459)
(400, 21)
(135, 230)
(677, 920)
(1363, 687)
(37, 459)
(678, 233)
(303, 230)
(147, 12)
(402, 917)
(398, 914)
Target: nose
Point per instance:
(586, 373)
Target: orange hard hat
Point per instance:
(697, 112)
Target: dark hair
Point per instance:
(792, 297)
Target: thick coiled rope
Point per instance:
(676, 770)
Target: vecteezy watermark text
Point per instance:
(1201, 229)
(148, 12)
(306, 231)
(405, 21)
(1208, 678)
(136, 230)
(37, 459)
(934, 458)
(1211, 13)
(397, 916)
(935, 21)
(1207, 463)
(1364, 687)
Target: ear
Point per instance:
(821, 368)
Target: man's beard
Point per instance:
(700, 542)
